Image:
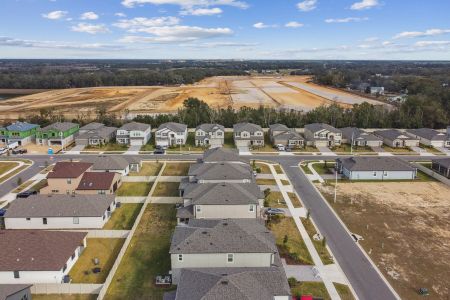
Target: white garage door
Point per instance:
(136, 142)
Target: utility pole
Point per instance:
(351, 144)
(335, 185)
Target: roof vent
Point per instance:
(224, 282)
(225, 224)
(204, 232)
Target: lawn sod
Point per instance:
(315, 289)
(166, 189)
(134, 189)
(13, 173)
(323, 168)
(319, 245)
(148, 169)
(189, 146)
(278, 169)
(229, 140)
(176, 169)
(274, 199)
(344, 291)
(262, 181)
(64, 297)
(263, 168)
(146, 256)
(347, 149)
(294, 199)
(107, 147)
(123, 217)
(106, 250)
(5, 166)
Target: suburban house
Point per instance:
(38, 256)
(15, 292)
(377, 90)
(60, 212)
(59, 133)
(360, 138)
(99, 183)
(322, 135)
(221, 155)
(248, 134)
(94, 134)
(220, 172)
(171, 134)
(134, 134)
(210, 135)
(397, 139)
(442, 166)
(65, 177)
(430, 137)
(375, 168)
(282, 135)
(221, 200)
(21, 132)
(232, 283)
(228, 243)
(118, 164)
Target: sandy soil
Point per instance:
(252, 91)
(406, 231)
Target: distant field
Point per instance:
(294, 92)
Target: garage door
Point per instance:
(136, 142)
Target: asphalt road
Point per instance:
(364, 279)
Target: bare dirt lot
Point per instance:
(406, 231)
(294, 92)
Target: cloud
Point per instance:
(120, 15)
(55, 15)
(364, 4)
(346, 20)
(201, 11)
(371, 39)
(187, 3)
(307, 5)
(261, 25)
(89, 15)
(415, 34)
(140, 24)
(90, 28)
(293, 24)
(431, 43)
(221, 44)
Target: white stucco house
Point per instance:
(375, 168)
(248, 134)
(322, 135)
(210, 135)
(430, 137)
(134, 134)
(171, 134)
(396, 139)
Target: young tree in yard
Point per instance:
(324, 241)
(19, 181)
(285, 239)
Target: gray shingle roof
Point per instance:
(375, 164)
(250, 127)
(289, 135)
(429, 134)
(314, 127)
(356, 133)
(232, 283)
(135, 126)
(175, 127)
(208, 127)
(444, 162)
(278, 127)
(102, 132)
(223, 236)
(224, 193)
(221, 155)
(221, 171)
(59, 126)
(37, 206)
(393, 134)
(21, 126)
(92, 126)
(7, 290)
(106, 163)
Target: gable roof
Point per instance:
(289, 135)
(111, 162)
(7, 290)
(208, 127)
(59, 126)
(224, 193)
(96, 181)
(393, 134)
(250, 127)
(444, 162)
(21, 126)
(356, 133)
(43, 206)
(232, 283)
(278, 127)
(102, 132)
(37, 250)
(135, 126)
(221, 155)
(314, 127)
(92, 126)
(223, 236)
(221, 171)
(375, 164)
(67, 169)
(429, 134)
(175, 127)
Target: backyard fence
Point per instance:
(65, 288)
(432, 173)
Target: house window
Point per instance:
(198, 208)
(219, 133)
(101, 192)
(180, 257)
(72, 257)
(44, 221)
(374, 174)
(230, 258)
(69, 180)
(16, 274)
(251, 208)
(28, 219)
(76, 220)
(385, 173)
(64, 268)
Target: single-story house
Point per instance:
(65, 177)
(397, 139)
(99, 183)
(171, 134)
(119, 164)
(360, 138)
(430, 137)
(222, 155)
(228, 243)
(38, 256)
(95, 134)
(15, 292)
(210, 135)
(220, 172)
(60, 212)
(59, 134)
(248, 134)
(282, 135)
(322, 135)
(442, 166)
(375, 168)
(134, 134)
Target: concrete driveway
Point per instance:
(134, 149)
(444, 150)
(325, 150)
(421, 151)
(76, 149)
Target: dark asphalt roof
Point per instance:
(175, 127)
(59, 205)
(21, 126)
(232, 283)
(393, 134)
(223, 236)
(67, 169)
(92, 126)
(59, 126)
(429, 134)
(37, 250)
(356, 133)
(106, 163)
(444, 162)
(221, 155)
(185, 212)
(224, 193)
(250, 127)
(7, 290)
(375, 164)
(314, 127)
(278, 127)
(208, 127)
(135, 126)
(221, 171)
(96, 181)
(289, 135)
(102, 132)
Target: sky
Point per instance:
(226, 29)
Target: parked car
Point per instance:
(2, 212)
(159, 151)
(274, 211)
(280, 147)
(3, 150)
(19, 151)
(13, 145)
(26, 194)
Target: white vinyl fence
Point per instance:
(66, 288)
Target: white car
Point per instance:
(281, 147)
(3, 150)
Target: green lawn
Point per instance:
(315, 289)
(274, 199)
(319, 245)
(306, 149)
(346, 148)
(228, 140)
(344, 291)
(166, 189)
(189, 146)
(13, 173)
(148, 169)
(134, 189)
(431, 149)
(278, 169)
(294, 199)
(146, 257)
(107, 147)
(176, 169)
(324, 168)
(39, 185)
(268, 147)
(263, 168)
(123, 217)
(262, 181)
(64, 297)
(401, 150)
(105, 250)
(5, 166)
(304, 166)
(294, 250)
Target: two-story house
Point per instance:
(57, 134)
(171, 134)
(95, 134)
(322, 135)
(65, 177)
(221, 200)
(134, 133)
(360, 138)
(226, 243)
(210, 135)
(282, 135)
(397, 139)
(21, 132)
(248, 134)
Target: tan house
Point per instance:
(65, 177)
(101, 183)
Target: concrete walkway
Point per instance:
(421, 151)
(315, 175)
(444, 150)
(132, 150)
